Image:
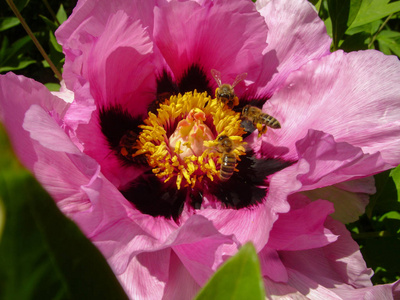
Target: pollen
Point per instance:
(180, 142)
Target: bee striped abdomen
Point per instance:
(227, 166)
(270, 121)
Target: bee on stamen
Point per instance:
(128, 147)
(225, 92)
(226, 147)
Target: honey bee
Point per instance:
(260, 120)
(225, 146)
(128, 146)
(225, 92)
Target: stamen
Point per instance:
(181, 141)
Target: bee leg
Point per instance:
(261, 129)
(235, 101)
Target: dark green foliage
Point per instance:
(43, 255)
(378, 230)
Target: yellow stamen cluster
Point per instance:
(167, 160)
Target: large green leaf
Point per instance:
(239, 278)
(43, 255)
(342, 14)
(372, 10)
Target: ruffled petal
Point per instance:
(272, 266)
(123, 48)
(324, 162)
(180, 284)
(334, 271)
(244, 224)
(355, 97)
(296, 35)
(302, 228)
(349, 198)
(225, 35)
(17, 94)
(87, 23)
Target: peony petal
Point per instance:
(296, 35)
(17, 94)
(112, 68)
(128, 237)
(337, 267)
(349, 263)
(271, 265)
(80, 31)
(225, 35)
(142, 280)
(323, 162)
(180, 284)
(302, 228)
(349, 198)
(319, 96)
(245, 223)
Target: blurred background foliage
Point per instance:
(352, 24)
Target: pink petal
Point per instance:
(244, 224)
(180, 284)
(144, 279)
(296, 35)
(323, 162)
(78, 34)
(272, 266)
(349, 263)
(364, 113)
(122, 49)
(17, 94)
(349, 198)
(336, 271)
(225, 35)
(302, 228)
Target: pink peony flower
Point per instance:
(147, 188)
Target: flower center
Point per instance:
(192, 136)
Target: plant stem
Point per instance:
(34, 39)
(379, 30)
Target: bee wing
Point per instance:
(239, 78)
(217, 76)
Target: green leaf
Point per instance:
(61, 14)
(316, 3)
(238, 278)
(43, 255)
(355, 42)
(50, 24)
(372, 10)
(2, 217)
(8, 22)
(21, 4)
(369, 28)
(386, 197)
(11, 56)
(22, 63)
(395, 174)
(342, 14)
(389, 40)
(53, 87)
(339, 13)
(383, 253)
